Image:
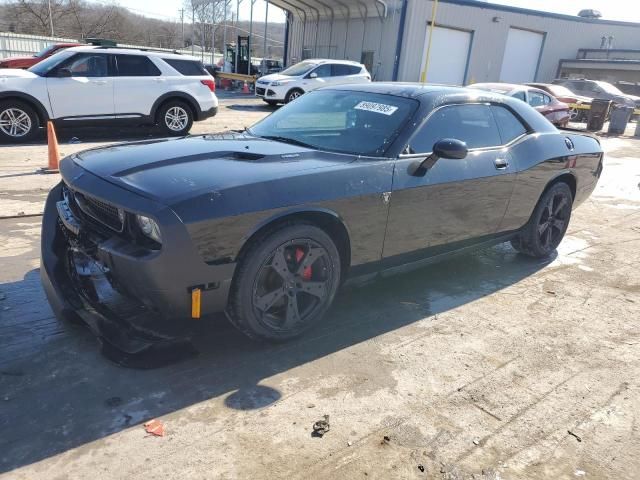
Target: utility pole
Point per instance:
(224, 33)
(250, 43)
(193, 27)
(182, 26)
(264, 43)
(51, 19)
(238, 2)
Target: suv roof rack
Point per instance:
(100, 42)
(142, 49)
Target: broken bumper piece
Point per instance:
(79, 289)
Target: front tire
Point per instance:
(293, 94)
(18, 122)
(284, 283)
(175, 118)
(548, 223)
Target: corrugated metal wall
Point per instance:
(347, 39)
(490, 28)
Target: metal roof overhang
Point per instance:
(334, 9)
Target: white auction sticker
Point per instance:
(376, 107)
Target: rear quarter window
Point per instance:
(509, 126)
(190, 68)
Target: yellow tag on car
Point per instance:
(195, 303)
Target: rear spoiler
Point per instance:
(578, 131)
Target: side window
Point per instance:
(87, 65)
(136, 66)
(189, 68)
(473, 124)
(575, 86)
(520, 96)
(509, 126)
(546, 99)
(323, 70)
(340, 70)
(536, 99)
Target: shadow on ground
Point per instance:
(62, 393)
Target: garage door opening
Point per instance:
(449, 55)
(521, 56)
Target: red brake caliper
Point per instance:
(306, 273)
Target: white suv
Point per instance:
(97, 85)
(306, 76)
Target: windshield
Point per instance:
(351, 122)
(298, 69)
(560, 91)
(607, 87)
(43, 52)
(43, 67)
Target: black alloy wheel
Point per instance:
(548, 223)
(285, 283)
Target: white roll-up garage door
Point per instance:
(521, 56)
(449, 56)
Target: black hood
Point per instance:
(167, 170)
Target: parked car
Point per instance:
(599, 89)
(579, 105)
(30, 61)
(97, 86)
(553, 110)
(345, 183)
(308, 75)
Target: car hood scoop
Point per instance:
(168, 169)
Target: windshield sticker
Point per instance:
(376, 107)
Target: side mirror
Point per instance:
(63, 73)
(450, 148)
(313, 75)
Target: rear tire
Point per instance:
(175, 118)
(548, 223)
(18, 122)
(285, 283)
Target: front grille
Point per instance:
(97, 210)
(259, 91)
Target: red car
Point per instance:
(553, 109)
(27, 62)
(565, 95)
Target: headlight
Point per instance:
(280, 83)
(149, 228)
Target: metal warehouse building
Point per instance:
(472, 41)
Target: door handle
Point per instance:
(501, 163)
(99, 82)
(160, 80)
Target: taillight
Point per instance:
(209, 83)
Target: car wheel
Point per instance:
(18, 122)
(285, 283)
(548, 223)
(175, 118)
(293, 94)
(574, 115)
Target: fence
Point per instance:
(15, 44)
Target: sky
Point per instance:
(627, 10)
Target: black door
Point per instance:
(455, 202)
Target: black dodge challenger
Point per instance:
(266, 224)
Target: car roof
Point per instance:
(132, 51)
(506, 87)
(433, 96)
(325, 60)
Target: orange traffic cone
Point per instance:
(54, 154)
(245, 88)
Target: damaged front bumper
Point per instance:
(136, 302)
